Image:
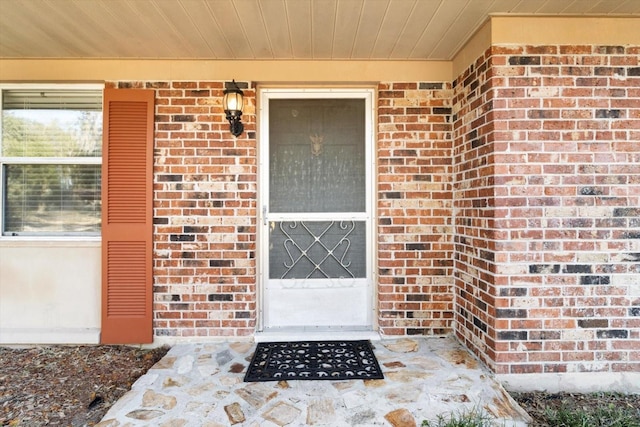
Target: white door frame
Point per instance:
(264, 217)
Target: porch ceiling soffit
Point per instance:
(355, 36)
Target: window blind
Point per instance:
(50, 152)
(56, 199)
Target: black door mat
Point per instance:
(313, 360)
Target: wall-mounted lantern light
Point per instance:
(232, 103)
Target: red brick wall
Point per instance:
(508, 208)
(204, 213)
(414, 239)
(475, 233)
(559, 130)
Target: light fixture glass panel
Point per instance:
(233, 101)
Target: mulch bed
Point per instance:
(67, 385)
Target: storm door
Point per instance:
(316, 209)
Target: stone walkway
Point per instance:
(202, 385)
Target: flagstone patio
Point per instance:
(202, 385)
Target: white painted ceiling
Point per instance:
(262, 29)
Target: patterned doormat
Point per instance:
(313, 360)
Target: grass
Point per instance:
(473, 418)
(560, 410)
(608, 415)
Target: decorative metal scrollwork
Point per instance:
(299, 250)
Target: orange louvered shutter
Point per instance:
(127, 217)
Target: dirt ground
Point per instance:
(76, 385)
(67, 385)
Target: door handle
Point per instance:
(264, 214)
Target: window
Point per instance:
(50, 160)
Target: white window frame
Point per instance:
(43, 161)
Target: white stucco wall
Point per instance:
(50, 291)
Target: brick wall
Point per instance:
(560, 226)
(508, 208)
(204, 212)
(414, 209)
(474, 206)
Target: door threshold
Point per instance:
(315, 334)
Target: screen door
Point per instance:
(316, 212)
